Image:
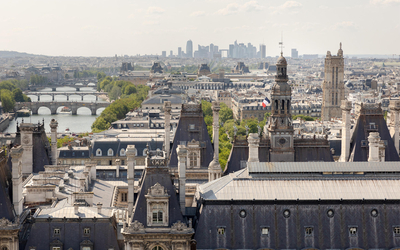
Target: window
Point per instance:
(265, 231)
(193, 159)
(4, 248)
(73, 153)
(286, 213)
(157, 248)
(98, 152)
(353, 231)
(396, 231)
(110, 162)
(157, 214)
(124, 197)
(122, 152)
(86, 231)
(56, 231)
(309, 231)
(86, 248)
(123, 161)
(221, 231)
(83, 153)
(110, 152)
(192, 126)
(56, 248)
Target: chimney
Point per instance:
(167, 113)
(16, 160)
(373, 140)
(130, 156)
(254, 142)
(182, 155)
(214, 169)
(99, 205)
(394, 122)
(76, 208)
(117, 166)
(346, 107)
(53, 128)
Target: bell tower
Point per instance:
(280, 122)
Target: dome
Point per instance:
(281, 60)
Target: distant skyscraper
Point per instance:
(189, 48)
(295, 53)
(179, 52)
(333, 86)
(263, 50)
(164, 53)
(171, 53)
(211, 50)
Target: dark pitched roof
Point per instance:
(74, 153)
(152, 176)
(192, 114)
(371, 121)
(116, 145)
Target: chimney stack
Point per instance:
(254, 142)
(167, 113)
(394, 122)
(346, 107)
(53, 127)
(182, 159)
(99, 205)
(373, 140)
(76, 208)
(130, 155)
(118, 165)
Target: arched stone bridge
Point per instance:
(67, 94)
(53, 106)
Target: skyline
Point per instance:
(96, 28)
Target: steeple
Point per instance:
(280, 122)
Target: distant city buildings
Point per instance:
(263, 50)
(295, 53)
(189, 49)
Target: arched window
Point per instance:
(157, 248)
(98, 152)
(193, 159)
(122, 152)
(276, 104)
(157, 214)
(110, 152)
(4, 248)
(283, 105)
(288, 105)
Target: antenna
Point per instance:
(281, 44)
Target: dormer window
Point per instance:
(192, 126)
(157, 206)
(98, 152)
(193, 159)
(122, 152)
(110, 152)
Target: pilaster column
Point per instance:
(254, 142)
(53, 127)
(373, 144)
(167, 113)
(27, 144)
(346, 107)
(16, 155)
(182, 155)
(131, 162)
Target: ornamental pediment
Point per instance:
(157, 191)
(7, 225)
(135, 227)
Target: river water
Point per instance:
(79, 123)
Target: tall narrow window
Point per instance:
(283, 105)
(157, 214)
(337, 76)
(288, 106)
(333, 77)
(193, 159)
(333, 98)
(276, 105)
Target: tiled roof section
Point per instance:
(192, 114)
(367, 123)
(154, 175)
(6, 210)
(75, 152)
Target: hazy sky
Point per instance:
(106, 28)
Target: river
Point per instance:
(79, 123)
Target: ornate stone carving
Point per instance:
(135, 227)
(179, 226)
(157, 190)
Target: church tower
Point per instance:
(333, 86)
(280, 122)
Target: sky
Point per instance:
(131, 27)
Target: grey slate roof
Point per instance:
(116, 144)
(152, 176)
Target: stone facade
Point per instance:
(333, 86)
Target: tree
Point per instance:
(115, 92)
(18, 95)
(129, 89)
(7, 100)
(206, 107)
(225, 113)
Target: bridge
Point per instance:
(67, 94)
(53, 106)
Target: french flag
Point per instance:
(266, 102)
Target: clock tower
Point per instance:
(280, 122)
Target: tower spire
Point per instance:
(281, 44)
